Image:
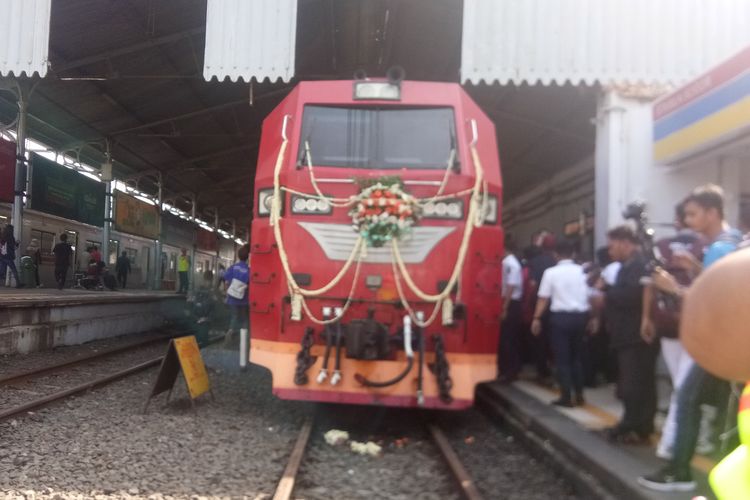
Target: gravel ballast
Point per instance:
(100, 445)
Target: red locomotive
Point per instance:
(376, 245)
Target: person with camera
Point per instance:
(704, 213)
(661, 317)
(636, 358)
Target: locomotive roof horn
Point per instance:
(395, 75)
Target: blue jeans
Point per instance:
(6, 263)
(696, 385)
(239, 317)
(566, 332)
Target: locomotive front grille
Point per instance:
(337, 241)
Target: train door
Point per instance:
(114, 252)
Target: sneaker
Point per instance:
(668, 479)
(664, 453)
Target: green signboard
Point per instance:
(66, 193)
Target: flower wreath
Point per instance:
(383, 210)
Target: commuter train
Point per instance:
(46, 229)
(376, 248)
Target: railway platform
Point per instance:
(39, 319)
(572, 438)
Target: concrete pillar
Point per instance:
(610, 168)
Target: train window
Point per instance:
(114, 251)
(46, 241)
(132, 254)
(378, 138)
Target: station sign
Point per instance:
(60, 191)
(7, 170)
(137, 217)
(207, 240)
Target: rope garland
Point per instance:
(472, 220)
(477, 205)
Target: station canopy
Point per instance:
(141, 74)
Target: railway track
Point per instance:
(468, 489)
(19, 380)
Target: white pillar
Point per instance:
(610, 167)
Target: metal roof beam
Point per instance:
(128, 49)
(199, 112)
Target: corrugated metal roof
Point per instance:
(246, 40)
(24, 37)
(599, 41)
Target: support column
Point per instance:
(610, 168)
(157, 246)
(20, 183)
(107, 228)
(193, 267)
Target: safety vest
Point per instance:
(731, 478)
(183, 264)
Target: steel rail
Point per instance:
(286, 484)
(468, 487)
(18, 377)
(87, 386)
(45, 400)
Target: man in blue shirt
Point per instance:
(704, 214)
(236, 281)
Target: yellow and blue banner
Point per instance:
(705, 113)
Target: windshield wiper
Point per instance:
(453, 161)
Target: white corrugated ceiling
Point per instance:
(599, 41)
(24, 37)
(250, 39)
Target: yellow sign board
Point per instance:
(182, 354)
(192, 365)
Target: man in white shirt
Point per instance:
(509, 358)
(564, 290)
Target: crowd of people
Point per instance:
(610, 318)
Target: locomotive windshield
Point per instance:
(378, 138)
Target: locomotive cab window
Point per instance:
(378, 138)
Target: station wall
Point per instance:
(561, 201)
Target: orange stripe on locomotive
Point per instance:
(349, 138)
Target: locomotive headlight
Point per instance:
(310, 206)
(490, 210)
(447, 209)
(265, 199)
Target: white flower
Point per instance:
(382, 202)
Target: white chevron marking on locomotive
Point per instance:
(337, 241)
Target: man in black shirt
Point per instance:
(63, 253)
(636, 358)
(123, 269)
